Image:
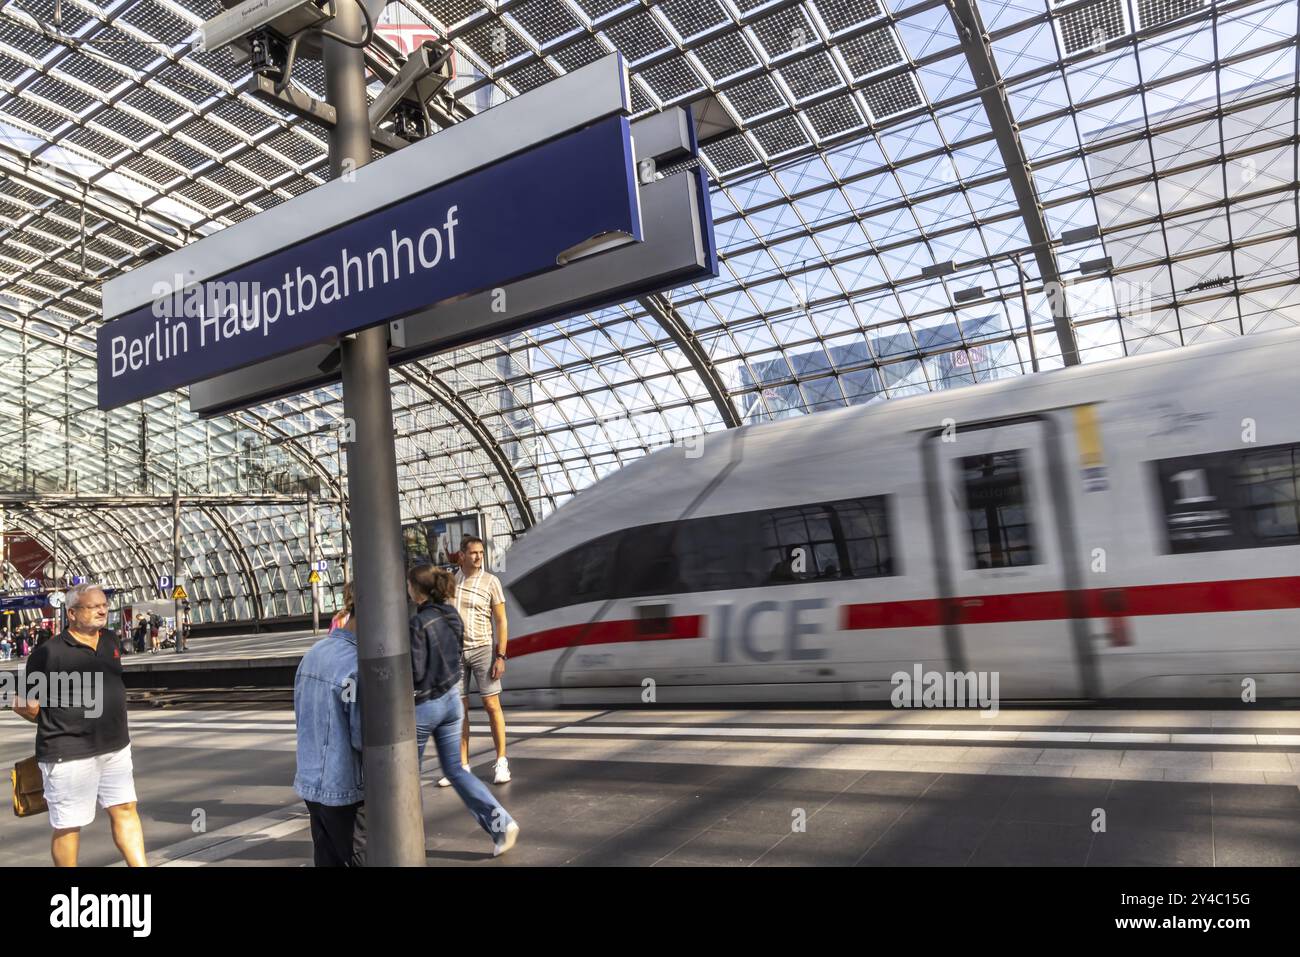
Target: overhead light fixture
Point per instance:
(1083, 234)
(969, 295)
(938, 269)
(1096, 265)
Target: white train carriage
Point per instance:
(1129, 529)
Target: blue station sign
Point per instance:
(519, 217)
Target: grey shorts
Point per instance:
(478, 662)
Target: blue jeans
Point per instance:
(441, 718)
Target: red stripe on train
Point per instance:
(1182, 598)
(608, 632)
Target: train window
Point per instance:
(864, 530)
(721, 551)
(1224, 500)
(588, 573)
(645, 563)
(581, 575)
(1269, 481)
(997, 511)
(834, 540)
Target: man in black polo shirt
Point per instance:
(82, 744)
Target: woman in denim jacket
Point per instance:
(436, 637)
(327, 712)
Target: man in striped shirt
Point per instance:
(482, 607)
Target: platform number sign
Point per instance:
(78, 579)
(31, 583)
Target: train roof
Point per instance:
(665, 484)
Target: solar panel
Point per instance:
(691, 18)
(841, 15)
(871, 53)
(811, 75)
(1155, 12)
(672, 79)
(1092, 26)
(545, 20)
(730, 154)
(892, 96)
(638, 37)
(834, 116)
(755, 97)
(780, 136)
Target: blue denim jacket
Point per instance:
(327, 711)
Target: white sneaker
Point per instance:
(508, 841)
(501, 773)
(445, 783)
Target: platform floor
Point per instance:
(201, 652)
(668, 787)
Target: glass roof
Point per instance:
(876, 210)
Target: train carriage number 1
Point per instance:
(1192, 487)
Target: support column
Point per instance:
(55, 569)
(311, 560)
(4, 566)
(176, 566)
(394, 817)
(345, 530)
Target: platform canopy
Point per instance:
(878, 169)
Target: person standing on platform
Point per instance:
(481, 604)
(327, 713)
(436, 669)
(83, 745)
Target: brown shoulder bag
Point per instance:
(29, 789)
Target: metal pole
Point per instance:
(344, 531)
(54, 573)
(4, 574)
(1029, 322)
(176, 567)
(311, 560)
(394, 817)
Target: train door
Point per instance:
(1005, 557)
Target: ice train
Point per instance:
(1122, 530)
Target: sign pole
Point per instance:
(394, 816)
(176, 564)
(311, 560)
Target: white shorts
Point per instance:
(71, 787)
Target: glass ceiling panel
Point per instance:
(863, 154)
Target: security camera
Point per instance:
(286, 17)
